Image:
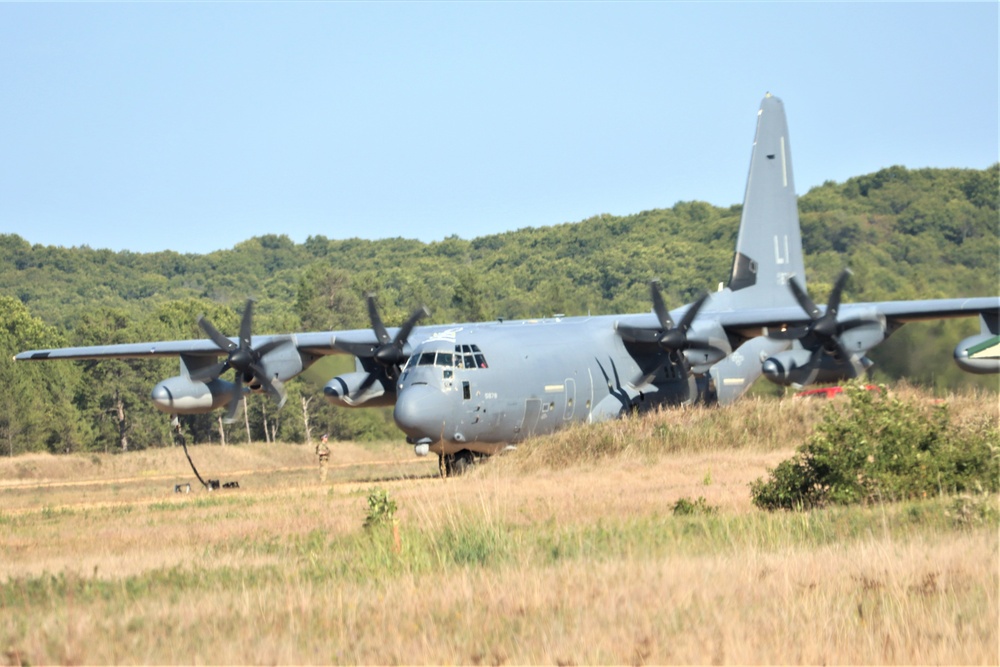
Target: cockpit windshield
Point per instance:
(464, 356)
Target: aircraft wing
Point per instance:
(315, 343)
(753, 321)
(125, 351)
(930, 309)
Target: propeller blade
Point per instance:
(803, 299)
(271, 345)
(363, 350)
(692, 313)
(407, 328)
(670, 337)
(692, 388)
(244, 359)
(659, 307)
(842, 352)
(272, 385)
(838, 287)
(234, 402)
(209, 373)
(246, 324)
(389, 352)
(648, 376)
(637, 335)
(858, 365)
(824, 326)
(700, 345)
(376, 320)
(369, 381)
(815, 359)
(221, 341)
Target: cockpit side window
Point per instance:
(469, 356)
(480, 359)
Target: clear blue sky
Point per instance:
(195, 126)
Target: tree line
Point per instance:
(907, 234)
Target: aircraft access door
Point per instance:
(532, 410)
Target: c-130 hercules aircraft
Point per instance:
(466, 390)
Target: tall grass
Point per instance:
(756, 424)
(575, 562)
(896, 584)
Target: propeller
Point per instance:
(388, 352)
(671, 337)
(822, 333)
(824, 327)
(243, 358)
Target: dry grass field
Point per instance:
(566, 551)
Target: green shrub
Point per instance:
(970, 510)
(875, 447)
(686, 507)
(381, 508)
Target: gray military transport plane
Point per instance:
(466, 390)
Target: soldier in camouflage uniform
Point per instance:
(323, 454)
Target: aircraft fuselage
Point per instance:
(482, 386)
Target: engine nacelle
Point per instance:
(343, 391)
(861, 338)
(702, 359)
(183, 396)
(793, 368)
(979, 354)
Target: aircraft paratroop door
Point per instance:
(532, 410)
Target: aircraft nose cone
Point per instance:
(336, 388)
(162, 398)
(772, 370)
(422, 412)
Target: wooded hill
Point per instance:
(907, 234)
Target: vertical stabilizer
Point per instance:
(769, 246)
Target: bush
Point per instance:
(686, 507)
(381, 508)
(875, 448)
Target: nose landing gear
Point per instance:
(452, 465)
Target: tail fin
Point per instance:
(769, 246)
